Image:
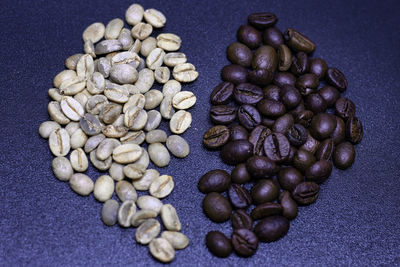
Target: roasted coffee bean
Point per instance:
(260, 76)
(234, 73)
(290, 96)
(345, 108)
(273, 36)
(222, 93)
(240, 174)
(330, 94)
(257, 138)
(272, 228)
(304, 118)
(218, 244)
(297, 135)
(214, 181)
(249, 36)
(284, 78)
(216, 207)
(272, 92)
(247, 93)
(222, 114)
(285, 57)
(265, 57)
(271, 108)
(303, 159)
(283, 123)
(245, 242)
(307, 83)
(248, 116)
(239, 196)
(289, 178)
(322, 125)
(298, 42)
(238, 132)
(267, 122)
(264, 191)
(344, 155)
(325, 150)
(241, 220)
(261, 167)
(319, 171)
(306, 193)
(316, 103)
(239, 54)
(235, 152)
(262, 20)
(318, 67)
(265, 210)
(276, 147)
(216, 136)
(300, 64)
(339, 133)
(336, 78)
(354, 130)
(289, 206)
(311, 145)
(289, 159)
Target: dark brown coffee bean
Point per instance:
(222, 93)
(276, 147)
(216, 207)
(300, 64)
(319, 171)
(235, 152)
(303, 159)
(304, 118)
(318, 67)
(289, 159)
(234, 73)
(238, 132)
(267, 122)
(214, 181)
(247, 93)
(248, 116)
(330, 94)
(222, 114)
(260, 77)
(283, 123)
(271, 108)
(354, 130)
(289, 178)
(272, 228)
(273, 36)
(261, 167)
(265, 58)
(265, 210)
(249, 36)
(298, 42)
(272, 92)
(297, 135)
(284, 78)
(262, 20)
(240, 174)
(311, 145)
(339, 133)
(290, 96)
(336, 78)
(245, 242)
(322, 125)
(289, 206)
(257, 138)
(344, 155)
(307, 83)
(306, 193)
(316, 103)
(216, 136)
(264, 191)
(239, 196)
(241, 220)
(239, 54)
(345, 108)
(285, 58)
(325, 150)
(218, 244)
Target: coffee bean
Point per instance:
(176, 239)
(354, 130)
(103, 188)
(336, 78)
(127, 153)
(284, 78)
(174, 59)
(248, 116)
(318, 67)
(306, 193)
(125, 191)
(290, 96)
(272, 92)
(257, 138)
(107, 46)
(90, 124)
(154, 17)
(169, 41)
(237, 151)
(162, 74)
(245, 242)
(239, 196)
(154, 98)
(339, 133)
(216, 136)
(59, 142)
(285, 57)
(345, 108)
(56, 113)
(311, 145)
(222, 114)
(297, 135)
(178, 146)
(300, 64)
(185, 73)
(125, 38)
(247, 93)
(261, 167)
(162, 250)
(344, 155)
(216, 207)
(239, 54)
(265, 210)
(62, 168)
(267, 122)
(214, 181)
(262, 20)
(272, 228)
(234, 73)
(149, 203)
(222, 93)
(134, 14)
(81, 184)
(316, 103)
(218, 244)
(265, 58)
(307, 83)
(102, 165)
(147, 231)
(109, 212)
(298, 41)
(79, 161)
(249, 36)
(240, 175)
(264, 191)
(241, 220)
(180, 122)
(273, 36)
(183, 100)
(141, 31)
(289, 178)
(325, 150)
(283, 124)
(319, 171)
(238, 132)
(276, 147)
(322, 125)
(170, 218)
(330, 94)
(161, 186)
(159, 154)
(271, 108)
(303, 159)
(304, 118)
(289, 206)
(260, 76)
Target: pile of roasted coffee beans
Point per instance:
(292, 121)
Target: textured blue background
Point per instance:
(356, 220)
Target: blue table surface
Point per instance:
(356, 220)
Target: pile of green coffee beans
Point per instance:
(103, 105)
(292, 121)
